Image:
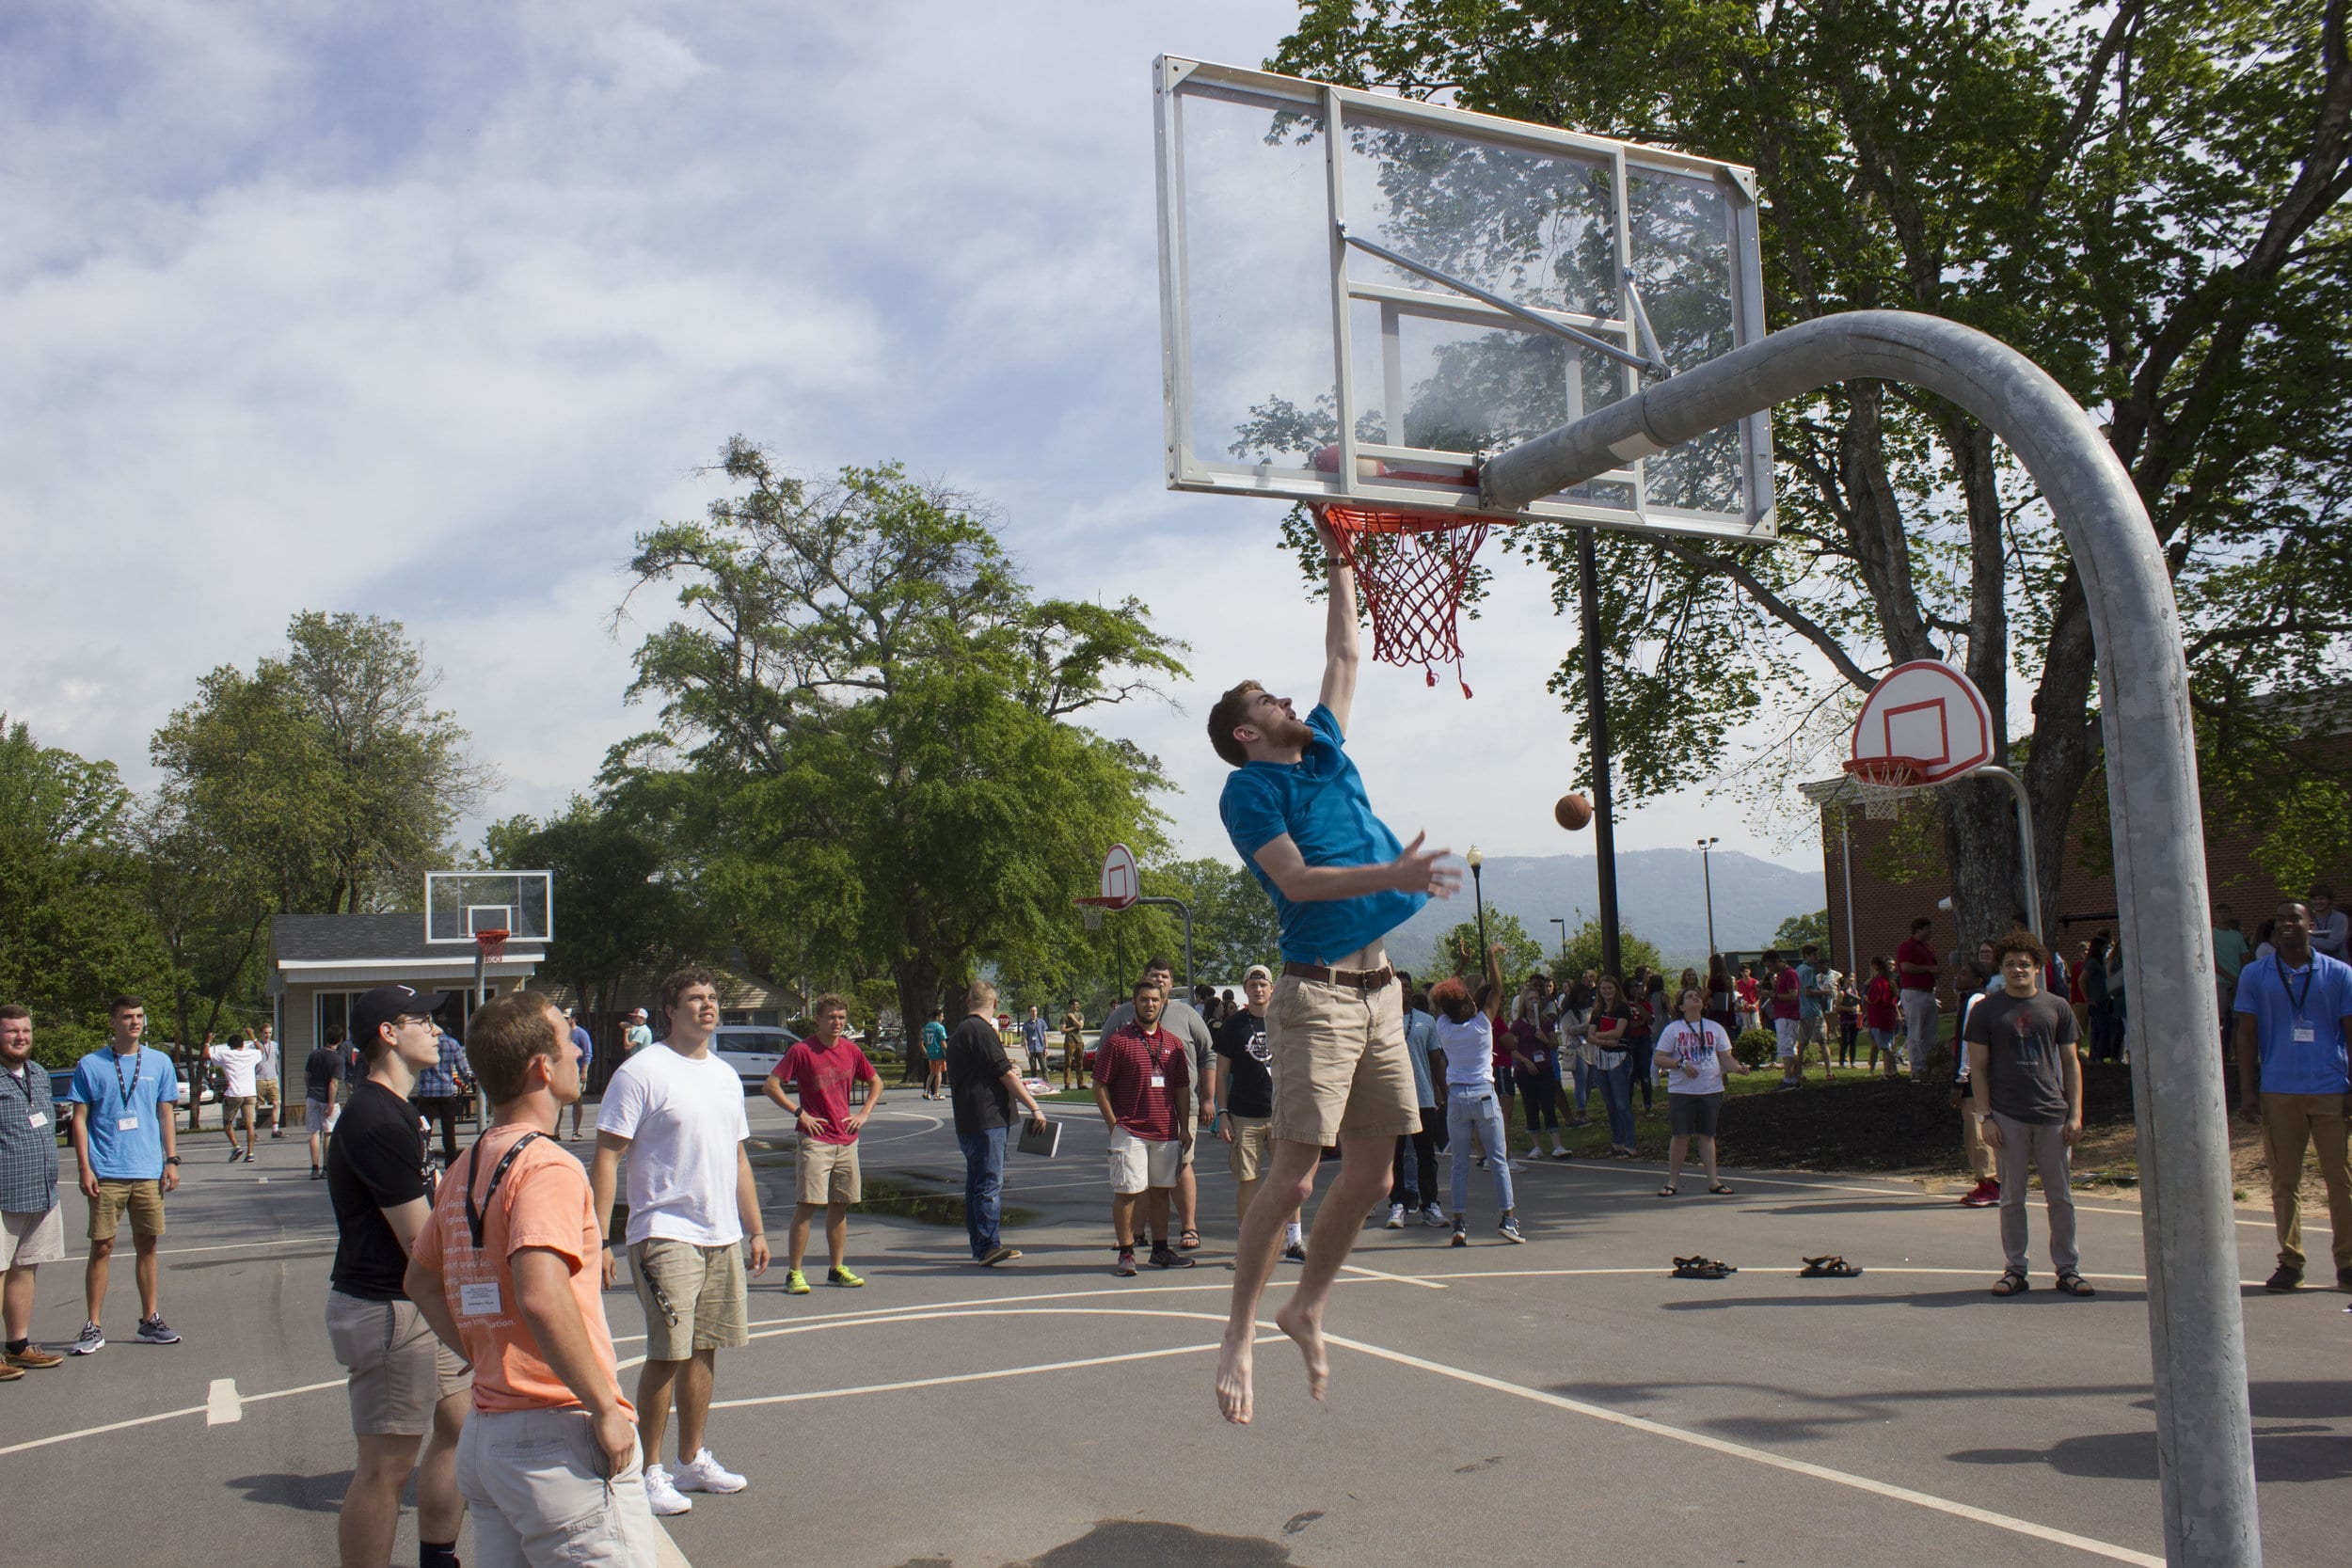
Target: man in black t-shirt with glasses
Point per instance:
(406, 1387)
(2025, 1080)
(1245, 1101)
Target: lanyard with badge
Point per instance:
(478, 1296)
(32, 1118)
(2302, 1031)
(129, 1122)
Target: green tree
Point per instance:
(71, 930)
(1233, 924)
(1798, 929)
(875, 717)
(1584, 950)
(1522, 955)
(2146, 199)
(326, 773)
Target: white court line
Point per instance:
(221, 1405)
(1764, 1457)
(99, 1431)
(239, 1247)
(1399, 1278)
(975, 1377)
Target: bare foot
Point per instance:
(1304, 1324)
(1232, 1376)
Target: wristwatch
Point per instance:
(172, 1159)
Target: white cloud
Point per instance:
(309, 309)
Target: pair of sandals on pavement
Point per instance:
(2012, 1283)
(1720, 1189)
(1827, 1266)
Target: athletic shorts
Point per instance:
(695, 1297)
(1251, 1148)
(399, 1368)
(1692, 1114)
(1785, 1031)
(830, 1173)
(1138, 1164)
(1341, 1068)
(142, 1200)
(29, 1239)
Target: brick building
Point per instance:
(1860, 853)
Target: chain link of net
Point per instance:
(1411, 568)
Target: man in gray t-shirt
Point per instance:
(1184, 1020)
(2026, 1080)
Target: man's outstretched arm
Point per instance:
(1413, 871)
(1340, 652)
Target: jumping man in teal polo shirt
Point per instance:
(1297, 811)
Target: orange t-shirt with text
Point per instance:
(544, 1202)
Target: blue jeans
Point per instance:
(984, 1187)
(1617, 1092)
(1583, 1085)
(1477, 1108)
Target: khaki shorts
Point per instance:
(535, 1482)
(1138, 1164)
(399, 1368)
(830, 1174)
(232, 1104)
(695, 1297)
(29, 1239)
(1251, 1148)
(1341, 1068)
(143, 1200)
(266, 1091)
(1810, 1030)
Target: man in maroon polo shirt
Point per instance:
(1142, 1085)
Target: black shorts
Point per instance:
(1693, 1115)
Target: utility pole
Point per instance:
(1707, 874)
(1596, 722)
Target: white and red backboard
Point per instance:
(1121, 885)
(1929, 712)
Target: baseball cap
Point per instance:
(372, 1010)
(1256, 972)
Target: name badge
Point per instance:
(1159, 1080)
(479, 1300)
(2304, 1033)
(37, 1118)
(126, 1124)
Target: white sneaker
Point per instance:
(662, 1494)
(1434, 1216)
(1396, 1216)
(704, 1473)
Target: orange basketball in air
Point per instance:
(1573, 810)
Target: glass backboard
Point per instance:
(1303, 367)
(459, 903)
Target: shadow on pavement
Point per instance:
(308, 1494)
(1904, 1298)
(2282, 1454)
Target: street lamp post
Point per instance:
(1562, 921)
(1707, 875)
(1478, 895)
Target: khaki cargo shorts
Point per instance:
(142, 1200)
(695, 1297)
(399, 1368)
(828, 1173)
(29, 1239)
(267, 1092)
(1340, 1065)
(1252, 1147)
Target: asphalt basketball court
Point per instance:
(1498, 1404)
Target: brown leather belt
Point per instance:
(1358, 980)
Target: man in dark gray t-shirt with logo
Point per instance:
(2026, 1080)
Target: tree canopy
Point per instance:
(2145, 197)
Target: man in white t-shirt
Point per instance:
(239, 1063)
(677, 1111)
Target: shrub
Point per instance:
(1756, 1048)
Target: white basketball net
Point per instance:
(1882, 783)
(1092, 915)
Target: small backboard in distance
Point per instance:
(1301, 367)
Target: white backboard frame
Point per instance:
(459, 903)
(1176, 79)
(1930, 710)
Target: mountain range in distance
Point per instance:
(1661, 896)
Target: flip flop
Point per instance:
(1721, 1188)
(1828, 1266)
(1666, 1192)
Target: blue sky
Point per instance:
(424, 310)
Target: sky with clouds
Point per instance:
(426, 311)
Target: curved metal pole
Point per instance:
(2025, 843)
(2204, 1434)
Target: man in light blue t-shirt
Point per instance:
(129, 1154)
(2294, 1010)
(1297, 811)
